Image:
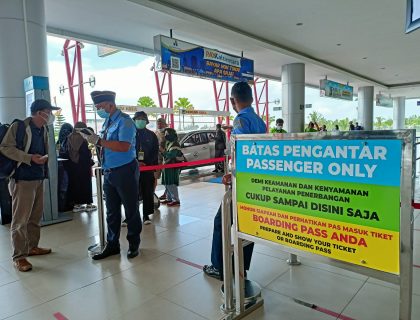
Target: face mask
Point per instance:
(141, 124)
(102, 113)
(279, 127)
(161, 129)
(49, 120)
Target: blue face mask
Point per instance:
(102, 113)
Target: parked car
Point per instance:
(197, 145)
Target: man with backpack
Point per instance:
(26, 143)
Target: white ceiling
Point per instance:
(266, 32)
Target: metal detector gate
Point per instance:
(344, 199)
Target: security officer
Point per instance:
(121, 173)
(246, 122)
(147, 149)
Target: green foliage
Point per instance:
(59, 121)
(185, 104)
(182, 103)
(146, 101)
(317, 117)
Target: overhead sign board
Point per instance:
(332, 197)
(383, 101)
(412, 16)
(193, 60)
(336, 90)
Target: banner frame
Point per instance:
(407, 183)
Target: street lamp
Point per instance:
(91, 81)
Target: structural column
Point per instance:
(399, 113)
(23, 43)
(365, 108)
(293, 96)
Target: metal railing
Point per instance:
(98, 247)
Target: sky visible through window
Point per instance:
(416, 10)
(129, 75)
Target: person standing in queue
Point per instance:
(246, 122)
(279, 127)
(121, 173)
(147, 149)
(219, 147)
(26, 185)
(160, 133)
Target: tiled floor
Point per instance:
(166, 282)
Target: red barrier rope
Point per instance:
(182, 164)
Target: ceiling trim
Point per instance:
(404, 85)
(62, 33)
(185, 13)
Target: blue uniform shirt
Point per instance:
(119, 127)
(247, 121)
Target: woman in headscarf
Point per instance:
(170, 177)
(63, 177)
(79, 170)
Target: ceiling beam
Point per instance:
(99, 41)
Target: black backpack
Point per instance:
(7, 166)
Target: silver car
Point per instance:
(197, 145)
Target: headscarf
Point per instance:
(65, 130)
(75, 141)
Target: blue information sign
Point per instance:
(336, 90)
(189, 59)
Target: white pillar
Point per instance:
(365, 108)
(23, 52)
(293, 96)
(399, 113)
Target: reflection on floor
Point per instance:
(166, 282)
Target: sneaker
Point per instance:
(90, 207)
(174, 204)
(211, 271)
(165, 201)
(147, 222)
(124, 223)
(78, 208)
(22, 265)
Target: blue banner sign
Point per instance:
(383, 101)
(189, 59)
(355, 161)
(335, 90)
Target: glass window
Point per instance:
(211, 136)
(203, 138)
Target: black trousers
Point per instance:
(217, 154)
(217, 244)
(147, 186)
(121, 187)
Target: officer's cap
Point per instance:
(102, 96)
